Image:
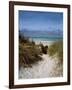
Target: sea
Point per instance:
(43, 36)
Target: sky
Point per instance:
(36, 20)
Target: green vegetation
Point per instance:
(56, 48)
(29, 53)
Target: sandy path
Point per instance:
(48, 67)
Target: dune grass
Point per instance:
(29, 53)
(56, 48)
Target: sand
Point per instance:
(44, 42)
(46, 68)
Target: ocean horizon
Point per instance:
(43, 35)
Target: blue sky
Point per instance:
(35, 20)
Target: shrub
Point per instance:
(44, 49)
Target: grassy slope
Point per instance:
(28, 52)
(56, 48)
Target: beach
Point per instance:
(47, 67)
(39, 31)
(44, 42)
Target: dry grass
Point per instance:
(29, 53)
(56, 48)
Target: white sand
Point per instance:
(48, 67)
(44, 42)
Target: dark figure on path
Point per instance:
(44, 49)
